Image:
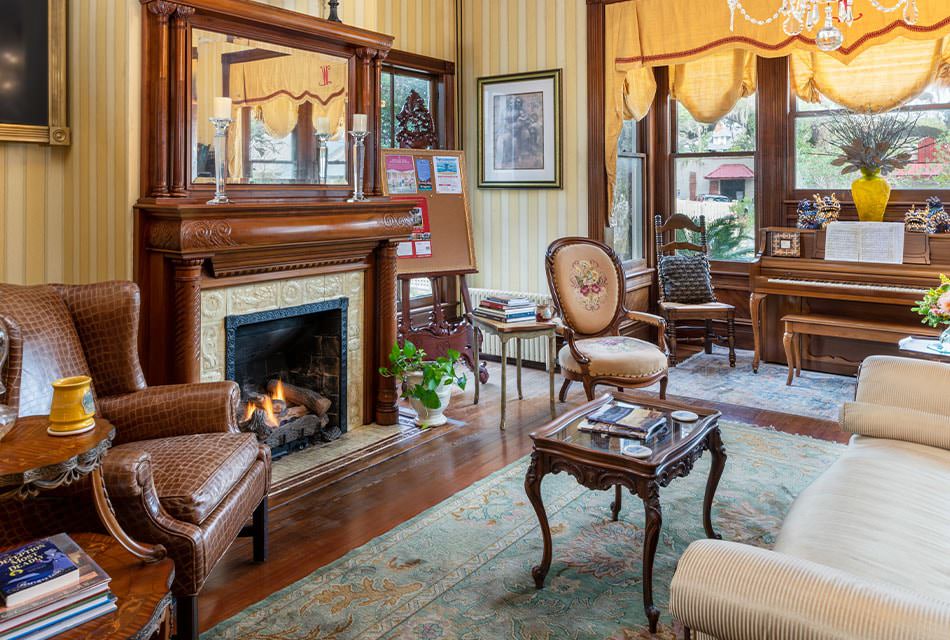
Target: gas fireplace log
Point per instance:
(257, 424)
(316, 402)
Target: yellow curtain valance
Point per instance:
(710, 87)
(878, 79)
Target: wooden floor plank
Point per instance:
(313, 530)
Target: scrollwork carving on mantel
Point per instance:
(162, 8)
(206, 234)
(391, 221)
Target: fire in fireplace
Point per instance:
(291, 367)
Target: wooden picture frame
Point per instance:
(34, 67)
(786, 244)
(520, 131)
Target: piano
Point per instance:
(809, 275)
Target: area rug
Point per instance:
(709, 377)
(462, 570)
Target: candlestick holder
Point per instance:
(359, 158)
(220, 159)
(323, 156)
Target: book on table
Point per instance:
(511, 301)
(501, 306)
(527, 315)
(622, 419)
(69, 605)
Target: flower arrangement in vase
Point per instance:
(935, 308)
(875, 145)
(426, 384)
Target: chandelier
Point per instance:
(804, 15)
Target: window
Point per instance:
(714, 176)
(929, 167)
(626, 214)
(396, 87)
(270, 158)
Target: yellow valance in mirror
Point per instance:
(880, 78)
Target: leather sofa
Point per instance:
(180, 473)
(864, 552)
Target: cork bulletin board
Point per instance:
(442, 238)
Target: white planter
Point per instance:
(427, 417)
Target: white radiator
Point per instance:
(534, 350)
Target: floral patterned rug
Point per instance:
(709, 377)
(462, 570)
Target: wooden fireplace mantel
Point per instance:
(186, 246)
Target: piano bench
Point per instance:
(814, 324)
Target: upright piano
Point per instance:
(777, 271)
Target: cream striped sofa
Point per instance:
(864, 552)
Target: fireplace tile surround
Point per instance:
(217, 304)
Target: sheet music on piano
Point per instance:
(881, 242)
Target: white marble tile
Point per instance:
(214, 305)
(253, 298)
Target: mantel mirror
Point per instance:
(288, 111)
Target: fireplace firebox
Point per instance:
(291, 367)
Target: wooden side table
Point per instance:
(517, 331)
(33, 460)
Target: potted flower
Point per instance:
(875, 145)
(426, 384)
(935, 308)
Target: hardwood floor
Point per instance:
(318, 528)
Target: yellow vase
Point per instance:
(72, 410)
(871, 193)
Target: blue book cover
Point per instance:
(32, 565)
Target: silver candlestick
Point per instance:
(322, 150)
(359, 158)
(220, 159)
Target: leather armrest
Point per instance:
(896, 423)
(127, 473)
(732, 591)
(173, 410)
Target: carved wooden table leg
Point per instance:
(718, 451)
(755, 304)
(532, 486)
(618, 501)
(518, 361)
(504, 379)
(650, 494)
(478, 378)
(552, 356)
(148, 553)
(789, 355)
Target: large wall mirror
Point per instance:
(288, 110)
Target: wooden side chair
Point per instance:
(686, 291)
(587, 284)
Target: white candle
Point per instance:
(222, 108)
(359, 122)
(323, 124)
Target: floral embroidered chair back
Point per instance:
(585, 280)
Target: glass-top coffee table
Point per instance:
(596, 461)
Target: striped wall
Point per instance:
(65, 213)
(426, 27)
(514, 227)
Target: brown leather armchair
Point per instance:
(180, 473)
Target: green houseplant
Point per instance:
(426, 384)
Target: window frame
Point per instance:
(794, 193)
(641, 153)
(391, 97)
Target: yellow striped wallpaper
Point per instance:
(514, 227)
(65, 213)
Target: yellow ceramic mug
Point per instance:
(73, 409)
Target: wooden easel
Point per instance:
(440, 334)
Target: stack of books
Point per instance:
(626, 421)
(507, 309)
(50, 586)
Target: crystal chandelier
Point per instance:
(804, 15)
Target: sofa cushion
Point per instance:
(193, 473)
(618, 356)
(685, 278)
(881, 512)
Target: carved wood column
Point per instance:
(386, 398)
(373, 179)
(366, 76)
(187, 278)
(158, 95)
(180, 111)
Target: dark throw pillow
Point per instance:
(685, 278)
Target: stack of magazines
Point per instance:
(505, 308)
(50, 586)
(625, 420)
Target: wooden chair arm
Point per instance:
(651, 319)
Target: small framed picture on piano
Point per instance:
(786, 244)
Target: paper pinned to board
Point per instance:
(881, 242)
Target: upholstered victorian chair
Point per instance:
(180, 474)
(587, 284)
(686, 291)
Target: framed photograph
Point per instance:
(519, 130)
(33, 72)
(786, 244)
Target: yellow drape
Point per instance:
(710, 87)
(880, 78)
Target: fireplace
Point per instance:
(291, 366)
